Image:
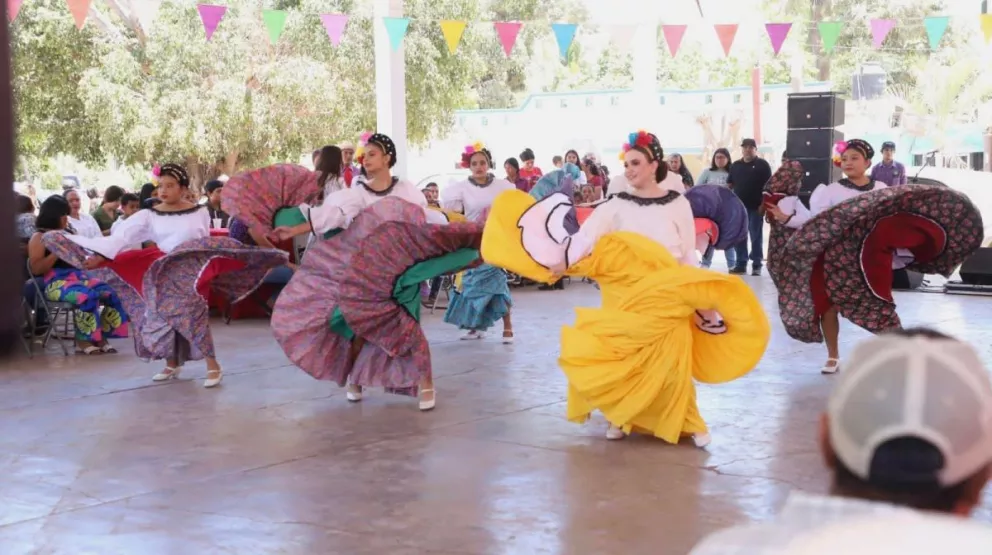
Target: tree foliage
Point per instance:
(140, 95)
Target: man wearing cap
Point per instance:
(348, 165)
(747, 178)
(889, 171)
(908, 427)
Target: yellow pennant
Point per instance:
(987, 26)
(452, 31)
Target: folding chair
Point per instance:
(58, 312)
(447, 282)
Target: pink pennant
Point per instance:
(507, 32)
(334, 24)
(210, 15)
(880, 29)
(13, 8)
(79, 9)
(777, 32)
(673, 37)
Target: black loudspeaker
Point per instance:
(977, 270)
(819, 171)
(811, 143)
(815, 110)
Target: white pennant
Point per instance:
(621, 36)
(147, 12)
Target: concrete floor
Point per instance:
(97, 459)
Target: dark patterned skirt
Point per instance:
(352, 311)
(842, 258)
(166, 295)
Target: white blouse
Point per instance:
(340, 207)
(470, 199)
(824, 198)
(167, 230)
(671, 225)
(333, 185)
(672, 182)
(85, 225)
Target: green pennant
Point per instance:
(275, 22)
(829, 32)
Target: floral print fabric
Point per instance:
(835, 241)
(88, 295)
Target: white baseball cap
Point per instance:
(912, 384)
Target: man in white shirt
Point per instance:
(908, 430)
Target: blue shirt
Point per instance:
(890, 174)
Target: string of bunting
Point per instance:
(452, 30)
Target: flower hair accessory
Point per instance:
(473, 149)
(363, 140)
(839, 148)
(644, 142)
(156, 173)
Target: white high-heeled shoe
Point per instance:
(215, 381)
(353, 393)
(614, 433)
(167, 374)
(701, 440)
(427, 404)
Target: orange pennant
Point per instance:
(79, 9)
(726, 34)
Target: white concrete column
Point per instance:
(390, 83)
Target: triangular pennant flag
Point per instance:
(986, 22)
(275, 22)
(396, 29)
(936, 27)
(334, 24)
(829, 33)
(507, 32)
(622, 35)
(79, 9)
(673, 37)
(777, 33)
(211, 15)
(13, 8)
(564, 34)
(726, 34)
(880, 29)
(452, 31)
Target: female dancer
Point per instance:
(635, 358)
(855, 159)
(165, 288)
(374, 338)
(67, 284)
(485, 295)
(854, 233)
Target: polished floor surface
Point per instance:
(97, 459)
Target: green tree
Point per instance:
(139, 95)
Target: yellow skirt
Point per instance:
(635, 358)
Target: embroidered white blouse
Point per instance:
(472, 200)
(668, 222)
(825, 197)
(167, 230)
(340, 207)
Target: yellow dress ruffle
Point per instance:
(634, 358)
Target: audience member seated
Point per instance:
(64, 283)
(906, 429)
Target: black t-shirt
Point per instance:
(748, 179)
